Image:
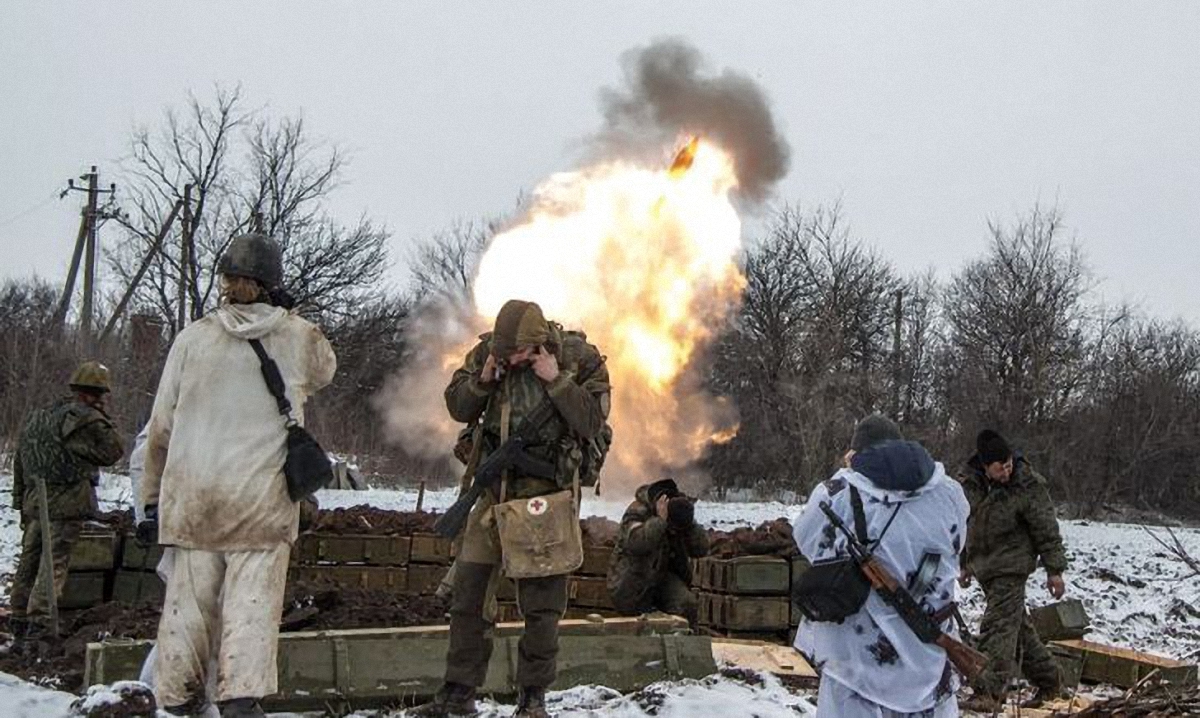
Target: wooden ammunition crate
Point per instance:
(430, 548)
(1070, 666)
(595, 560)
(745, 613)
(746, 575)
(374, 667)
(589, 592)
(393, 579)
(1060, 621)
(506, 589)
(423, 579)
(96, 550)
(138, 587)
(138, 558)
(352, 549)
(84, 589)
(1124, 667)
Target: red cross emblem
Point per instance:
(536, 507)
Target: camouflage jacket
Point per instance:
(647, 550)
(580, 396)
(64, 444)
(1012, 526)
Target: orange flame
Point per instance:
(644, 260)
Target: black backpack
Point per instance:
(833, 590)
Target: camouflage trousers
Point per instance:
(542, 602)
(1007, 636)
(669, 594)
(28, 594)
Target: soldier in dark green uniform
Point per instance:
(650, 567)
(1011, 530)
(503, 380)
(62, 445)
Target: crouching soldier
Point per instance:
(649, 569)
(1012, 529)
(61, 446)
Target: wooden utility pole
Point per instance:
(89, 261)
(185, 260)
(85, 247)
(155, 248)
(64, 302)
(899, 318)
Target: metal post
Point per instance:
(141, 272)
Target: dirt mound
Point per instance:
(319, 606)
(373, 521)
(599, 531)
(39, 655)
(773, 538)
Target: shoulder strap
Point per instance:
(860, 519)
(275, 385)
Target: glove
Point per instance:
(147, 529)
(681, 513)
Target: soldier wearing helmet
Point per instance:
(63, 446)
(214, 489)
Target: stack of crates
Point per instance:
(90, 577)
(397, 564)
(747, 596)
(587, 589)
(136, 577)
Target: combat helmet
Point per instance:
(254, 256)
(91, 376)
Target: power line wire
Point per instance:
(26, 212)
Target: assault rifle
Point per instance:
(967, 660)
(510, 455)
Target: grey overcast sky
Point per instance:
(924, 119)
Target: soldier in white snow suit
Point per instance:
(214, 486)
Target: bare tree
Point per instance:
(446, 264)
(242, 165)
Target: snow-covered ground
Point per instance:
(1136, 595)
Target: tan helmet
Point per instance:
(91, 376)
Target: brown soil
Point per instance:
(773, 538)
(316, 606)
(373, 521)
(41, 656)
(599, 531)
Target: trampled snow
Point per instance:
(1136, 594)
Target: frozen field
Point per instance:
(1136, 594)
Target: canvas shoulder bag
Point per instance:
(307, 467)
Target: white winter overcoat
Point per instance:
(873, 652)
(216, 446)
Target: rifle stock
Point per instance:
(966, 660)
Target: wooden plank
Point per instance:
(430, 548)
(589, 592)
(353, 549)
(750, 613)
(96, 550)
(1124, 667)
(762, 656)
(138, 586)
(84, 589)
(393, 579)
(1064, 620)
(423, 579)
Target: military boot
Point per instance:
(242, 708)
(453, 700)
(531, 703)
